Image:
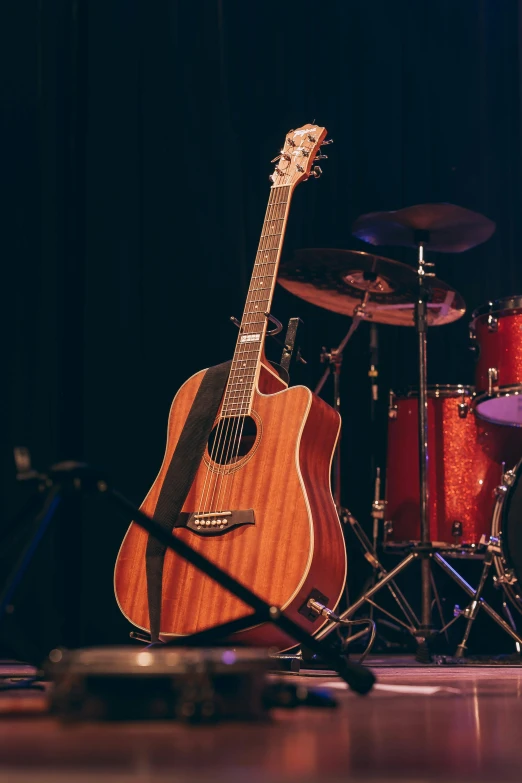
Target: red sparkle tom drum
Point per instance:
(496, 331)
(465, 467)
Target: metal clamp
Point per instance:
(492, 380)
(492, 323)
(392, 406)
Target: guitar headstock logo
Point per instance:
(295, 160)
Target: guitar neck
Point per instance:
(247, 355)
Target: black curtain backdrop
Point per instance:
(136, 148)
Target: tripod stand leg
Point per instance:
(329, 627)
(509, 616)
(379, 572)
(472, 610)
(470, 591)
(51, 503)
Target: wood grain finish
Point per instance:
(296, 543)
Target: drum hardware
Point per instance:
(492, 381)
(493, 550)
(392, 406)
(446, 228)
(397, 294)
(456, 529)
(463, 406)
(492, 323)
(380, 574)
(334, 360)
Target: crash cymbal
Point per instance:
(337, 280)
(445, 228)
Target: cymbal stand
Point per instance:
(334, 358)
(421, 324)
(423, 550)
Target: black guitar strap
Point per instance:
(178, 480)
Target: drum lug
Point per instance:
(456, 530)
(473, 344)
(509, 478)
(392, 406)
(492, 323)
(378, 509)
(463, 408)
(492, 380)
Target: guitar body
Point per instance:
(295, 544)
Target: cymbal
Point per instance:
(338, 280)
(445, 228)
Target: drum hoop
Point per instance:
(498, 307)
(436, 390)
(503, 391)
(499, 527)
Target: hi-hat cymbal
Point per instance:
(337, 280)
(445, 228)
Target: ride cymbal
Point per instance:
(445, 228)
(338, 280)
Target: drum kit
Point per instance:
(455, 491)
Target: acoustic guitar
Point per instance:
(260, 505)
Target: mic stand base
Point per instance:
(71, 478)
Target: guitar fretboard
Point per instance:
(240, 388)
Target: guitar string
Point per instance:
(281, 213)
(220, 440)
(255, 298)
(278, 214)
(240, 405)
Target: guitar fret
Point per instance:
(244, 368)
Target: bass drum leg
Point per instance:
(506, 526)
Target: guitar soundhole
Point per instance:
(232, 439)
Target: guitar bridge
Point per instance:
(213, 522)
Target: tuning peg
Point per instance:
(327, 141)
(321, 157)
(316, 172)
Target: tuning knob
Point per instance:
(327, 141)
(316, 172)
(321, 157)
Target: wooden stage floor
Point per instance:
(467, 727)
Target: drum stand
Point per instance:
(471, 611)
(334, 358)
(423, 550)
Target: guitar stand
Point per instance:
(73, 477)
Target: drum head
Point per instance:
(512, 525)
(505, 409)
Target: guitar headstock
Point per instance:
(298, 155)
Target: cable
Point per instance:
(371, 625)
(321, 609)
